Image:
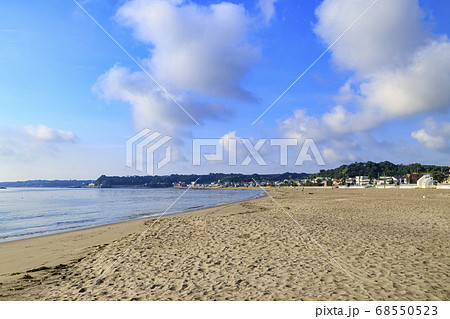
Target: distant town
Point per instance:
(369, 174)
(408, 181)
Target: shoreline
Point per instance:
(61, 231)
(82, 240)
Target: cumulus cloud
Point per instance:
(151, 106)
(434, 135)
(302, 126)
(433, 142)
(382, 38)
(421, 86)
(198, 48)
(47, 134)
(197, 52)
(225, 139)
(400, 69)
(333, 156)
(267, 8)
(418, 88)
(234, 146)
(32, 141)
(336, 149)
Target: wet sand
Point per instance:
(392, 244)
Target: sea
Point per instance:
(32, 212)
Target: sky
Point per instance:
(376, 86)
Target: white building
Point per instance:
(426, 181)
(362, 180)
(387, 180)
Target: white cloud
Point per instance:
(418, 88)
(198, 53)
(45, 133)
(267, 8)
(225, 139)
(238, 146)
(434, 135)
(151, 106)
(433, 142)
(383, 38)
(421, 86)
(302, 126)
(332, 156)
(204, 49)
(31, 142)
(400, 69)
(337, 147)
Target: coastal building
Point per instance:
(403, 180)
(362, 180)
(425, 181)
(319, 180)
(351, 181)
(386, 180)
(413, 177)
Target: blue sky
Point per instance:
(70, 97)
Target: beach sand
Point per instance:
(390, 244)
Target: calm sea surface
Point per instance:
(31, 212)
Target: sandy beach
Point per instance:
(388, 244)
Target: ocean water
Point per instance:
(31, 212)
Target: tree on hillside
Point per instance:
(438, 177)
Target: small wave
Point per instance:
(50, 219)
(194, 207)
(42, 232)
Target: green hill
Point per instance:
(373, 170)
